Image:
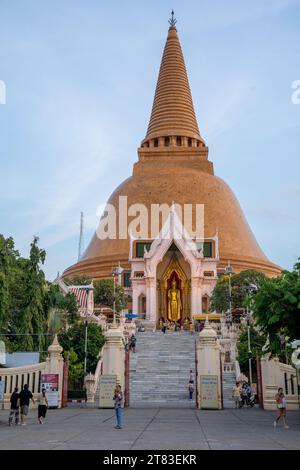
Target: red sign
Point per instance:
(50, 382)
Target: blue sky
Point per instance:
(80, 79)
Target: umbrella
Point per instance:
(131, 315)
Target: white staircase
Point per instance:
(160, 369)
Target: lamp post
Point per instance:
(229, 272)
(86, 331)
(116, 271)
(249, 346)
(249, 290)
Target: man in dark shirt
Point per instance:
(25, 397)
(14, 407)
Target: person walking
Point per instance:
(191, 379)
(164, 327)
(25, 397)
(236, 393)
(281, 406)
(14, 407)
(133, 343)
(191, 390)
(244, 395)
(118, 399)
(43, 405)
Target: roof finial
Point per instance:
(172, 20)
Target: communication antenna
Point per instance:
(80, 244)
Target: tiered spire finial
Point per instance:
(172, 20)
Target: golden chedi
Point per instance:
(173, 166)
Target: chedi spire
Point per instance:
(173, 117)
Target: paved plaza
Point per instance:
(152, 428)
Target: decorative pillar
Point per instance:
(90, 387)
(135, 298)
(173, 140)
(113, 354)
(196, 303)
(55, 365)
(151, 299)
(208, 369)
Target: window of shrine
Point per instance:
(140, 248)
(208, 274)
(207, 249)
(126, 279)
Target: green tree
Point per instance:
(276, 308)
(240, 284)
(56, 299)
(56, 320)
(257, 341)
(8, 256)
(76, 369)
(104, 294)
(74, 339)
(32, 318)
(77, 281)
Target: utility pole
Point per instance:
(86, 331)
(80, 244)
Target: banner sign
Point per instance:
(209, 391)
(107, 388)
(50, 383)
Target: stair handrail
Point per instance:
(97, 373)
(237, 369)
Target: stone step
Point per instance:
(159, 370)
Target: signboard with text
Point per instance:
(106, 390)
(50, 384)
(209, 391)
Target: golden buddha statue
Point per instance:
(174, 303)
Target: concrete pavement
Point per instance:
(152, 428)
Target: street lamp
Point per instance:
(116, 271)
(251, 288)
(229, 272)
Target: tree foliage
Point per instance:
(257, 341)
(77, 280)
(240, 284)
(104, 294)
(276, 308)
(22, 301)
(26, 299)
(74, 339)
(67, 303)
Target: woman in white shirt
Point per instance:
(43, 405)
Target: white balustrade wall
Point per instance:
(31, 375)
